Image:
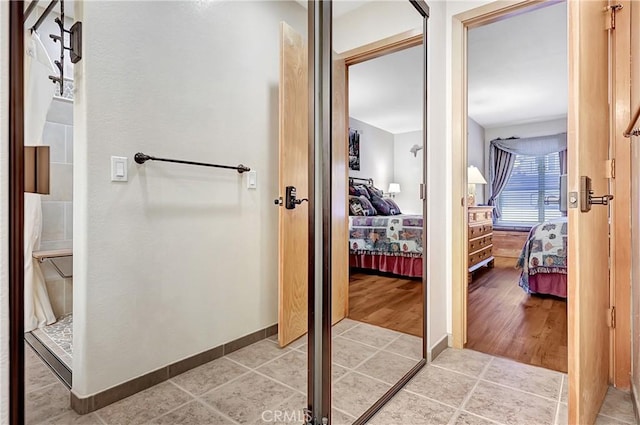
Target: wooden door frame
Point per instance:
(461, 23)
(621, 227)
(16, 214)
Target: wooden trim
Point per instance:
(16, 213)
(459, 219)
(479, 16)
(84, 405)
(620, 269)
(382, 47)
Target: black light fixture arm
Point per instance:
(141, 158)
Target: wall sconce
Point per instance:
(393, 189)
(474, 177)
(36, 169)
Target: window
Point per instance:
(533, 191)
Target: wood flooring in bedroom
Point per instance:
(387, 301)
(505, 321)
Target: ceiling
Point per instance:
(386, 92)
(341, 7)
(517, 70)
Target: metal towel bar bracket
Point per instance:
(141, 158)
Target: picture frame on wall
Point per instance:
(354, 150)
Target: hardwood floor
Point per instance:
(390, 302)
(505, 321)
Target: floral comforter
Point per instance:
(545, 251)
(398, 235)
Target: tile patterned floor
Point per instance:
(58, 337)
(460, 387)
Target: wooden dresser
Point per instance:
(480, 238)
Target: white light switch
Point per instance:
(119, 169)
(252, 179)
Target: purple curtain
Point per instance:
(563, 161)
(501, 165)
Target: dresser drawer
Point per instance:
(477, 230)
(480, 216)
(479, 256)
(479, 243)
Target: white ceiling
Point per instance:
(341, 7)
(386, 92)
(517, 68)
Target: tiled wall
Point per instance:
(57, 207)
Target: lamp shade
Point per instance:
(474, 176)
(394, 187)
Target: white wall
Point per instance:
(408, 171)
(4, 212)
(179, 259)
(476, 154)
(376, 154)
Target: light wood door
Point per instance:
(588, 147)
(293, 171)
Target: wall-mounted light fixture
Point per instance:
(414, 149)
(36, 169)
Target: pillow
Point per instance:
(360, 190)
(380, 205)
(359, 205)
(374, 191)
(393, 207)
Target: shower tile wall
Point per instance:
(57, 207)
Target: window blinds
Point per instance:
(533, 191)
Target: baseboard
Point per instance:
(635, 400)
(439, 347)
(84, 405)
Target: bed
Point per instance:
(543, 259)
(380, 237)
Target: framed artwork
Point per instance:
(354, 150)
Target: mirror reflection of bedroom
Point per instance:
(385, 172)
(517, 159)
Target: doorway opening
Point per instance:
(385, 209)
(516, 173)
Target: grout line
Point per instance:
(557, 415)
(199, 399)
(276, 381)
(519, 390)
(343, 412)
(481, 417)
(170, 411)
(479, 378)
(100, 418)
(237, 378)
(615, 419)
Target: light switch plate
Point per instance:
(119, 169)
(252, 179)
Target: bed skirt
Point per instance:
(403, 266)
(549, 283)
